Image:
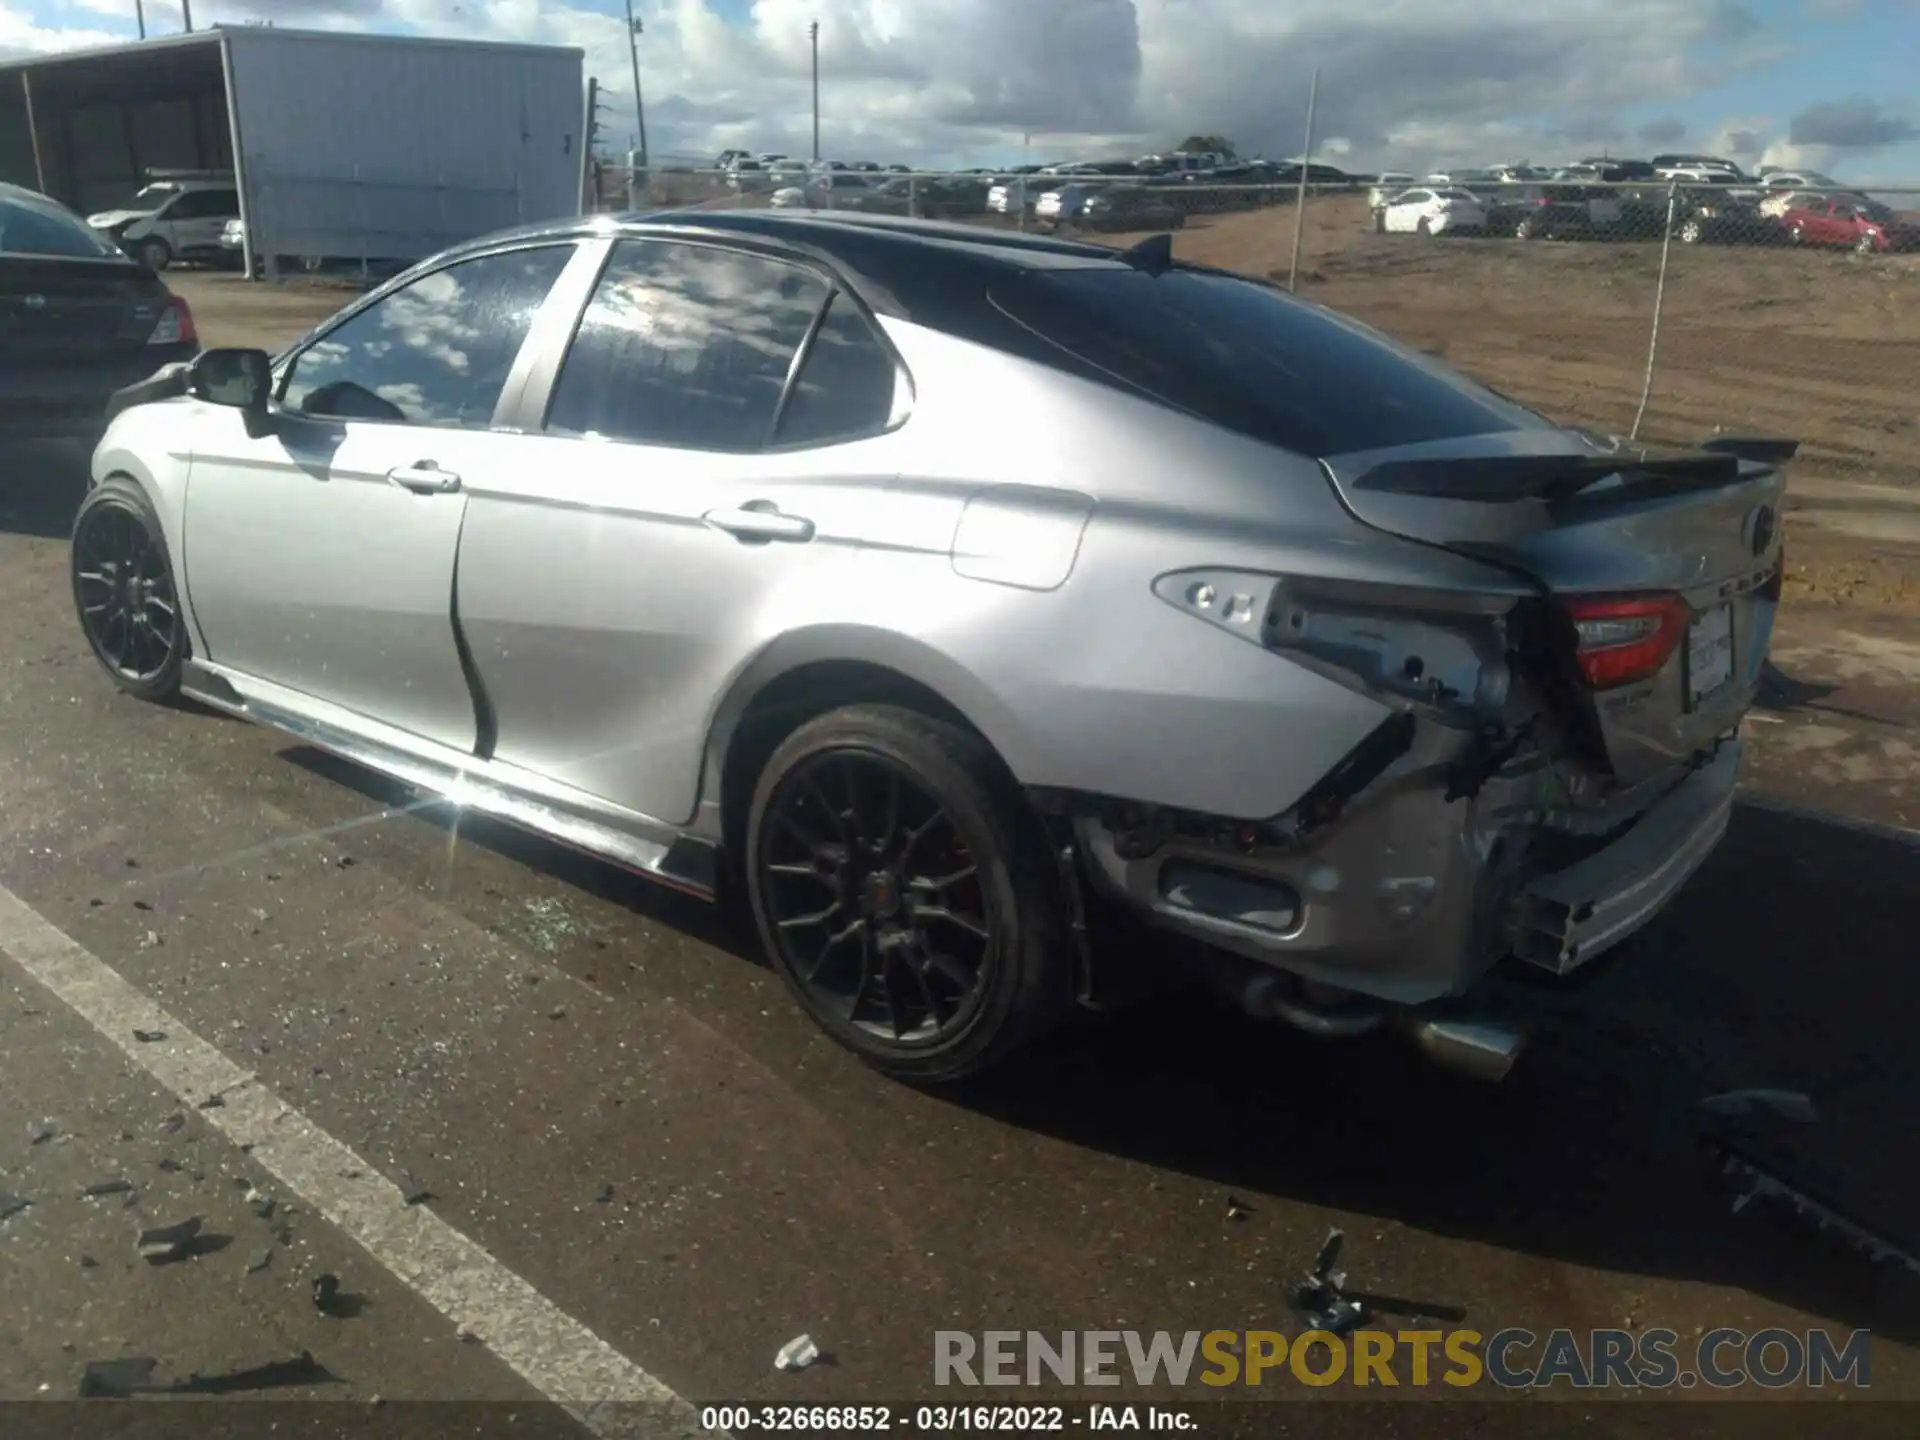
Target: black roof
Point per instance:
(933, 272)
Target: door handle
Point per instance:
(761, 520)
(424, 477)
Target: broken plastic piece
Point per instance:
(259, 1260)
(1788, 1104)
(797, 1354)
(1237, 1209)
(412, 1192)
(604, 1195)
(260, 1203)
(1317, 1299)
(101, 1188)
(41, 1131)
(326, 1293)
(167, 1243)
(12, 1205)
(149, 1037)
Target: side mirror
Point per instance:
(240, 378)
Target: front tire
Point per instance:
(1691, 233)
(124, 591)
(905, 894)
(1865, 246)
(154, 253)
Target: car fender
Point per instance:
(150, 445)
(890, 650)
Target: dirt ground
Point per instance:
(1822, 347)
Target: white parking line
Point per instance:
(553, 1352)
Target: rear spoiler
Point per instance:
(1506, 479)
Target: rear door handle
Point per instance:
(761, 520)
(423, 477)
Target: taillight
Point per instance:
(176, 325)
(1624, 638)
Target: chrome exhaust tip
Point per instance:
(1479, 1048)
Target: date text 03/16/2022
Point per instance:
(943, 1419)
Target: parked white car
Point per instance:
(1799, 180)
(1064, 205)
(1426, 211)
(171, 220)
(1390, 184)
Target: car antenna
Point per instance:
(1154, 254)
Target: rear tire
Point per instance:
(1424, 229)
(896, 874)
(1691, 233)
(1526, 229)
(154, 253)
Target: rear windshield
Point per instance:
(30, 226)
(1255, 361)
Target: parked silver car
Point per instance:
(696, 542)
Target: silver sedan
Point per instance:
(962, 592)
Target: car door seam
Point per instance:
(486, 723)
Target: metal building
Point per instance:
(369, 147)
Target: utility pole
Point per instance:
(186, 14)
(634, 30)
(1300, 200)
(813, 34)
(140, 16)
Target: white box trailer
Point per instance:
(371, 148)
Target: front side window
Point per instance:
(435, 352)
(685, 345)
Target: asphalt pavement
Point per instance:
(637, 1152)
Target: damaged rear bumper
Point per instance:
(1411, 897)
(1566, 919)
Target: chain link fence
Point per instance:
(1660, 308)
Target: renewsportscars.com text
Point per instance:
(1515, 1358)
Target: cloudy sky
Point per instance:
(1406, 84)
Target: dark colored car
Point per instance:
(1131, 207)
(927, 197)
(78, 321)
(1701, 215)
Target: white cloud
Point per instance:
(1410, 83)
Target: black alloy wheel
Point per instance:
(897, 890)
(123, 590)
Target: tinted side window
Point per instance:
(203, 204)
(845, 385)
(685, 345)
(435, 352)
(1251, 359)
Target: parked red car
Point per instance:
(1863, 225)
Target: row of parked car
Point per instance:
(1697, 199)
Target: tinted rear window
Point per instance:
(32, 226)
(1253, 360)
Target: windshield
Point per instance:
(32, 226)
(1874, 210)
(1454, 194)
(153, 197)
(1252, 359)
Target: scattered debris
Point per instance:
(213, 1102)
(559, 1012)
(1317, 1299)
(101, 1188)
(12, 1205)
(174, 1123)
(87, 1262)
(41, 1131)
(259, 1260)
(261, 1203)
(284, 1234)
(132, 864)
(1787, 1104)
(142, 905)
(346, 862)
(170, 1165)
(149, 1037)
(95, 903)
(797, 1354)
(466, 1336)
(151, 940)
(1237, 1209)
(604, 1195)
(167, 1243)
(412, 1192)
(330, 1299)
